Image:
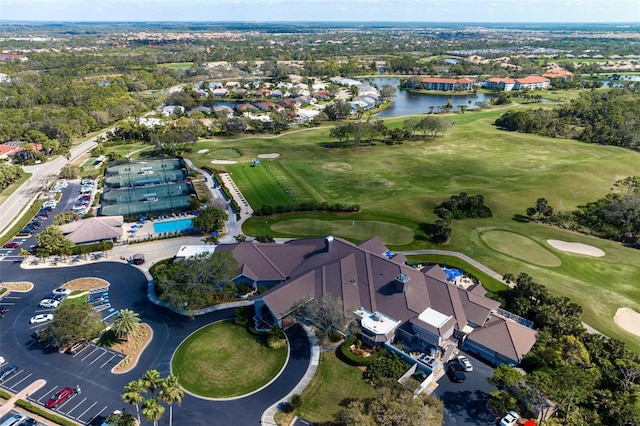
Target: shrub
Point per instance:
(44, 413)
(360, 361)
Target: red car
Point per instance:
(11, 245)
(61, 396)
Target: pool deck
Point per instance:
(145, 229)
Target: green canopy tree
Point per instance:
(127, 322)
(210, 219)
(52, 241)
(72, 321)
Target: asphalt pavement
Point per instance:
(90, 369)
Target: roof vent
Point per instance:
(401, 283)
(328, 240)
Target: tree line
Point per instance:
(616, 216)
(607, 118)
(592, 379)
(462, 206)
(9, 174)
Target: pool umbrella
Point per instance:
(530, 423)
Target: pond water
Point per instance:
(406, 103)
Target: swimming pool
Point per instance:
(452, 273)
(172, 226)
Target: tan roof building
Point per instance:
(390, 298)
(94, 229)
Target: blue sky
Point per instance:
(324, 10)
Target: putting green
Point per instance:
(388, 233)
(520, 247)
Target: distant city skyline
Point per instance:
(488, 11)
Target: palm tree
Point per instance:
(134, 394)
(171, 392)
(153, 410)
(152, 381)
(127, 322)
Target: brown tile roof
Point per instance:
(505, 337)
(93, 229)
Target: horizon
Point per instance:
(326, 11)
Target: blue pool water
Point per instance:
(452, 273)
(172, 226)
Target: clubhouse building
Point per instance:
(391, 300)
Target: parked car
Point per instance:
(510, 419)
(49, 303)
(61, 396)
(12, 369)
(54, 296)
(455, 365)
(465, 363)
(77, 346)
(1, 360)
(28, 422)
(14, 420)
(61, 291)
(50, 203)
(40, 318)
(455, 372)
(24, 233)
(11, 245)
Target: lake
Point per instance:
(406, 103)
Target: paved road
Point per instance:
(101, 390)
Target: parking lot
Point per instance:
(87, 368)
(13, 413)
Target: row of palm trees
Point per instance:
(142, 393)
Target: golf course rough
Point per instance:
(520, 247)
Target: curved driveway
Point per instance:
(129, 290)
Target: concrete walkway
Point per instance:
(267, 416)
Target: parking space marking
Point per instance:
(83, 413)
(77, 405)
(81, 350)
(94, 417)
(7, 303)
(25, 378)
(9, 379)
(101, 308)
(11, 297)
(109, 360)
(95, 349)
(47, 393)
(103, 353)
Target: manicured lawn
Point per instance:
(401, 184)
(223, 360)
(11, 188)
(356, 230)
(333, 384)
(260, 185)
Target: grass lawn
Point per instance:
(5, 193)
(223, 360)
(333, 383)
(401, 184)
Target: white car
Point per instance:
(1, 360)
(465, 363)
(40, 318)
(49, 303)
(61, 291)
(510, 419)
(14, 420)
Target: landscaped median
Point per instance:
(225, 360)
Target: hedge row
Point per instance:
(35, 409)
(5, 395)
(305, 206)
(353, 359)
(88, 248)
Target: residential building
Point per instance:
(9, 57)
(497, 83)
(4, 78)
(448, 84)
(532, 82)
(391, 299)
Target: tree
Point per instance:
(71, 322)
(200, 281)
(53, 241)
(65, 217)
(121, 419)
(393, 405)
(504, 378)
(325, 312)
(127, 322)
(388, 366)
(134, 394)
(152, 381)
(171, 393)
(210, 219)
(153, 410)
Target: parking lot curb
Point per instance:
(23, 394)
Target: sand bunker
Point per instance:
(272, 155)
(223, 162)
(576, 248)
(202, 151)
(628, 320)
